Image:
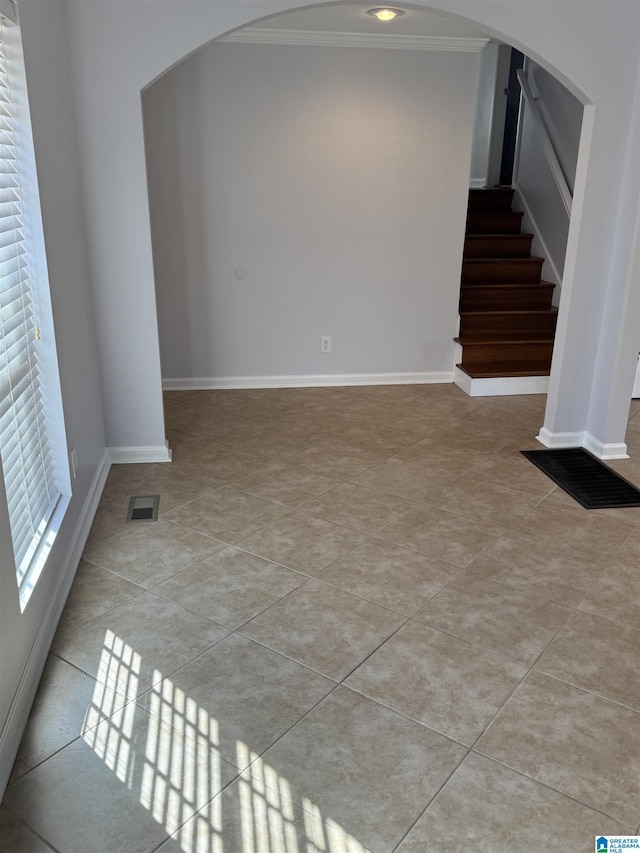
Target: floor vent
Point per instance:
(143, 508)
(585, 478)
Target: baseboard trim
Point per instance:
(128, 455)
(613, 450)
(200, 383)
(555, 440)
(603, 450)
(505, 386)
(462, 380)
(13, 729)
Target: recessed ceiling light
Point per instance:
(385, 13)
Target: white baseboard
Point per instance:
(127, 455)
(599, 448)
(605, 451)
(558, 440)
(14, 726)
(200, 383)
(502, 386)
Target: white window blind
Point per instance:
(31, 485)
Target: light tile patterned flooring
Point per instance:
(363, 622)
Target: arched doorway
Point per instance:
(111, 130)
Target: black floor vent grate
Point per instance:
(589, 481)
(143, 508)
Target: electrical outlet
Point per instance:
(73, 460)
(325, 343)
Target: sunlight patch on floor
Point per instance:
(173, 762)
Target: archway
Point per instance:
(558, 38)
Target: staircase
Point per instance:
(507, 322)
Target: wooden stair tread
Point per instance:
(491, 198)
(478, 352)
(515, 245)
(506, 296)
(498, 369)
(499, 284)
(524, 338)
(499, 234)
(498, 325)
(526, 312)
(526, 269)
(496, 213)
(487, 261)
(468, 340)
(506, 222)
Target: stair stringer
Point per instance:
(550, 270)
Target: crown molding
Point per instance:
(258, 35)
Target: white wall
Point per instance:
(537, 192)
(337, 179)
(562, 114)
(488, 127)
(25, 637)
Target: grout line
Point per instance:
(530, 669)
(359, 421)
(30, 828)
(588, 692)
(434, 797)
(549, 787)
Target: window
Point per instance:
(32, 442)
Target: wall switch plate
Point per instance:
(325, 343)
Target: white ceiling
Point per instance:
(353, 18)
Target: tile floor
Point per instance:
(363, 622)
